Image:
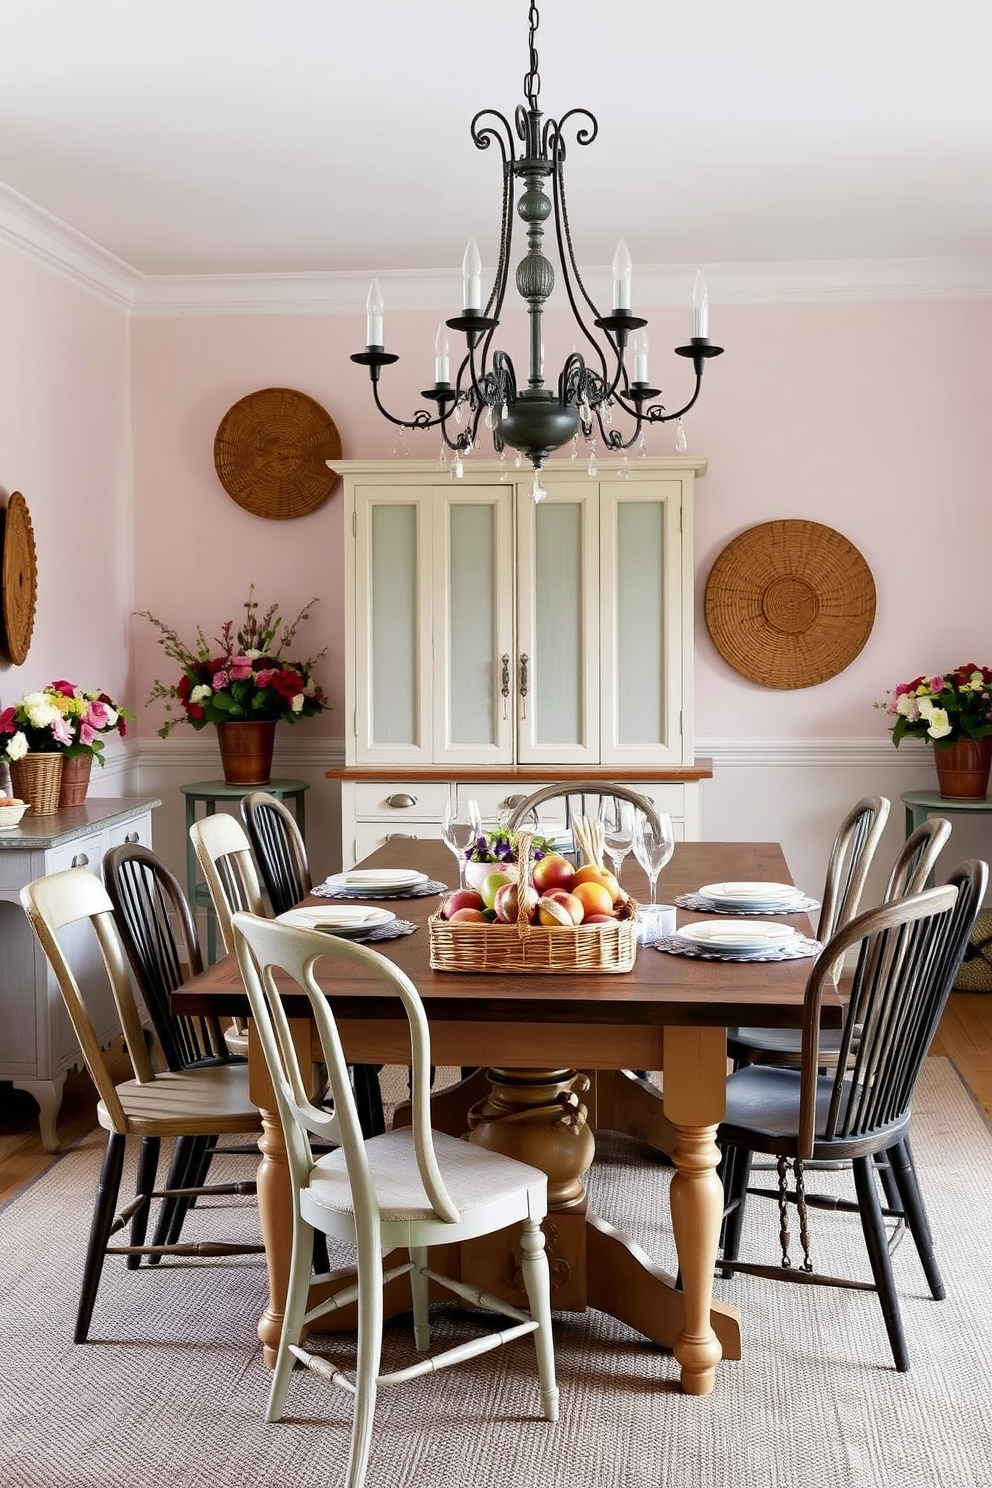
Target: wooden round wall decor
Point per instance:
(18, 578)
(790, 603)
(271, 452)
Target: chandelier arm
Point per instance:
(566, 256)
(656, 413)
(421, 419)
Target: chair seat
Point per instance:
(763, 1113)
(201, 1101)
(775, 1045)
(479, 1182)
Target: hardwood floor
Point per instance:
(964, 1036)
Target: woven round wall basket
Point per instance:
(271, 452)
(790, 603)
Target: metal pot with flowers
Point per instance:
(953, 712)
(242, 683)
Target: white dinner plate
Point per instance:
(359, 881)
(757, 895)
(338, 919)
(737, 935)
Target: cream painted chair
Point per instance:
(406, 1190)
(223, 851)
(65, 911)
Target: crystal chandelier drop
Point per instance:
(610, 375)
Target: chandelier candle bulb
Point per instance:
(639, 350)
(441, 355)
(622, 274)
(700, 308)
(472, 277)
(373, 315)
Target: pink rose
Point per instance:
(67, 689)
(86, 733)
(62, 730)
(98, 715)
(265, 677)
(7, 723)
(240, 669)
(220, 681)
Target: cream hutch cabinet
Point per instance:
(494, 644)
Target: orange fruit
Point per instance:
(590, 873)
(594, 897)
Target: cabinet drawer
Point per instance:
(670, 797)
(496, 801)
(370, 835)
(396, 800)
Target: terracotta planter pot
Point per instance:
(75, 779)
(246, 751)
(36, 779)
(963, 769)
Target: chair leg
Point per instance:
(890, 1187)
(876, 1240)
(419, 1289)
(297, 1297)
(738, 1176)
(537, 1285)
(368, 1099)
(147, 1168)
(183, 1172)
(104, 1213)
(904, 1172)
(370, 1311)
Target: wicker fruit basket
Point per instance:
(534, 949)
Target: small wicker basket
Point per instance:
(11, 815)
(36, 778)
(534, 949)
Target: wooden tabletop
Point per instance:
(662, 989)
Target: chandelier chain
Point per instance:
(532, 82)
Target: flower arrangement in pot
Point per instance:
(57, 733)
(243, 683)
(496, 850)
(953, 711)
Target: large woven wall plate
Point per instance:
(271, 452)
(18, 578)
(790, 603)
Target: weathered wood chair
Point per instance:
(406, 1189)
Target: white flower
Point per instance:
(32, 699)
(253, 655)
(940, 725)
(201, 693)
(927, 708)
(297, 703)
(908, 706)
(40, 714)
(17, 746)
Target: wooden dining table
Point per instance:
(557, 1055)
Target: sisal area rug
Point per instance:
(171, 1389)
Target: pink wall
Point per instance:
(65, 443)
(870, 418)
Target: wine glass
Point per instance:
(653, 846)
(616, 818)
(461, 824)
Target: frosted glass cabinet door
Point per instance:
(393, 584)
(646, 624)
(473, 624)
(558, 625)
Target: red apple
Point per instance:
(600, 919)
(568, 901)
(469, 917)
(552, 872)
(462, 899)
(507, 904)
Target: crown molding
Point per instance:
(47, 240)
(51, 242)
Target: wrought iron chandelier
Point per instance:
(536, 419)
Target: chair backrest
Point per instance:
(917, 858)
(909, 951)
(158, 932)
(850, 859)
(224, 854)
(61, 902)
(580, 798)
(265, 948)
(280, 853)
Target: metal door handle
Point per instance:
(524, 663)
(401, 800)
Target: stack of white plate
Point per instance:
(338, 919)
(378, 882)
(751, 938)
(763, 898)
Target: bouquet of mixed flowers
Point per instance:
(500, 846)
(944, 708)
(244, 675)
(61, 719)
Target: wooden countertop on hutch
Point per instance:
(535, 775)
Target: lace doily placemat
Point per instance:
(794, 951)
(702, 905)
(432, 886)
(388, 932)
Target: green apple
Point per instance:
(492, 885)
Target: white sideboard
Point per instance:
(37, 1042)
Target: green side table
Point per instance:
(212, 793)
(920, 804)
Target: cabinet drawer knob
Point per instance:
(81, 860)
(401, 800)
(512, 802)
(132, 838)
(406, 836)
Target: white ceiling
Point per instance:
(223, 136)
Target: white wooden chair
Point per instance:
(404, 1190)
(199, 1101)
(223, 851)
